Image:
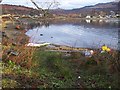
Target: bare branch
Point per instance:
(47, 5)
(0, 1)
(36, 5)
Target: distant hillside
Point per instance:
(106, 7)
(21, 10)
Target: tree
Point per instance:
(46, 4)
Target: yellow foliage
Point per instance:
(108, 49)
(105, 48)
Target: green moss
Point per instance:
(9, 83)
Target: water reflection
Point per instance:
(86, 34)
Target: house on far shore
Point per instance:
(117, 15)
(41, 15)
(16, 16)
(88, 17)
(6, 16)
(101, 17)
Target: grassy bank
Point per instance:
(54, 70)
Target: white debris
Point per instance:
(79, 77)
(37, 45)
(89, 53)
(92, 52)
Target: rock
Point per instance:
(67, 55)
(15, 53)
(18, 27)
(4, 35)
(12, 52)
(14, 44)
(41, 34)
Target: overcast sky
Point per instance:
(64, 4)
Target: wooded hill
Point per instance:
(22, 10)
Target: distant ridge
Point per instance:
(106, 7)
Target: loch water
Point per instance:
(83, 34)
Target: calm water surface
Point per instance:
(86, 34)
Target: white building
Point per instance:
(88, 16)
